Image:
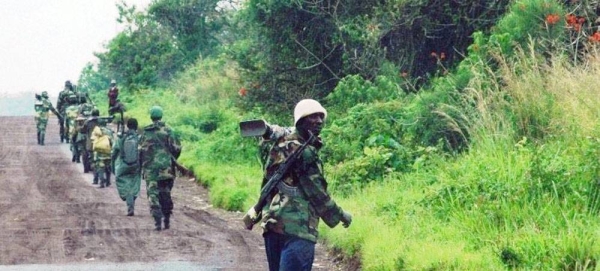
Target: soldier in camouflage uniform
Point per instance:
(102, 160)
(158, 148)
(290, 221)
(78, 137)
(61, 104)
(86, 154)
(42, 106)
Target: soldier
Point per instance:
(102, 141)
(78, 137)
(61, 104)
(158, 150)
(126, 165)
(42, 106)
(87, 154)
(113, 94)
(72, 113)
(290, 221)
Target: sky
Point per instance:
(43, 43)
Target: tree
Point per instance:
(143, 55)
(195, 24)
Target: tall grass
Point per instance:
(518, 199)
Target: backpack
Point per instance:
(130, 149)
(103, 142)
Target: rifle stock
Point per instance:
(254, 215)
(183, 170)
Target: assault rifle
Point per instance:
(254, 215)
(108, 119)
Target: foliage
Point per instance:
(90, 80)
(195, 24)
(353, 90)
(301, 49)
(142, 57)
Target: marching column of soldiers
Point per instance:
(293, 169)
(94, 145)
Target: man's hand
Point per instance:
(346, 219)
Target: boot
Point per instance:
(130, 205)
(130, 210)
(157, 225)
(38, 138)
(42, 135)
(73, 159)
(167, 221)
(95, 181)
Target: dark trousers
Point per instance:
(164, 196)
(286, 253)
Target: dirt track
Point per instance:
(52, 217)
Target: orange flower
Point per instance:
(552, 19)
(243, 91)
(442, 55)
(595, 37)
(571, 19)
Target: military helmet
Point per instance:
(95, 112)
(308, 107)
(45, 94)
(113, 81)
(156, 112)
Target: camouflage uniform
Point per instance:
(158, 146)
(86, 154)
(63, 101)
(302, 197)
(76, 135)
(42, 106)
(127, 177)
(102, 161)
(290, 220)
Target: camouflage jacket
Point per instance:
(158, 146)
(302, 198)
(62, 101)
(42, 107)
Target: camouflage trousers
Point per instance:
(76, 150)
(159, 197)
(41, 124)
(102, 169)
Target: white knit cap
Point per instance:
(308, 107)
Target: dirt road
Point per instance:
(53, 218)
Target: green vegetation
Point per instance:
(485, 160)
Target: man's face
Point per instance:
(312, 123)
